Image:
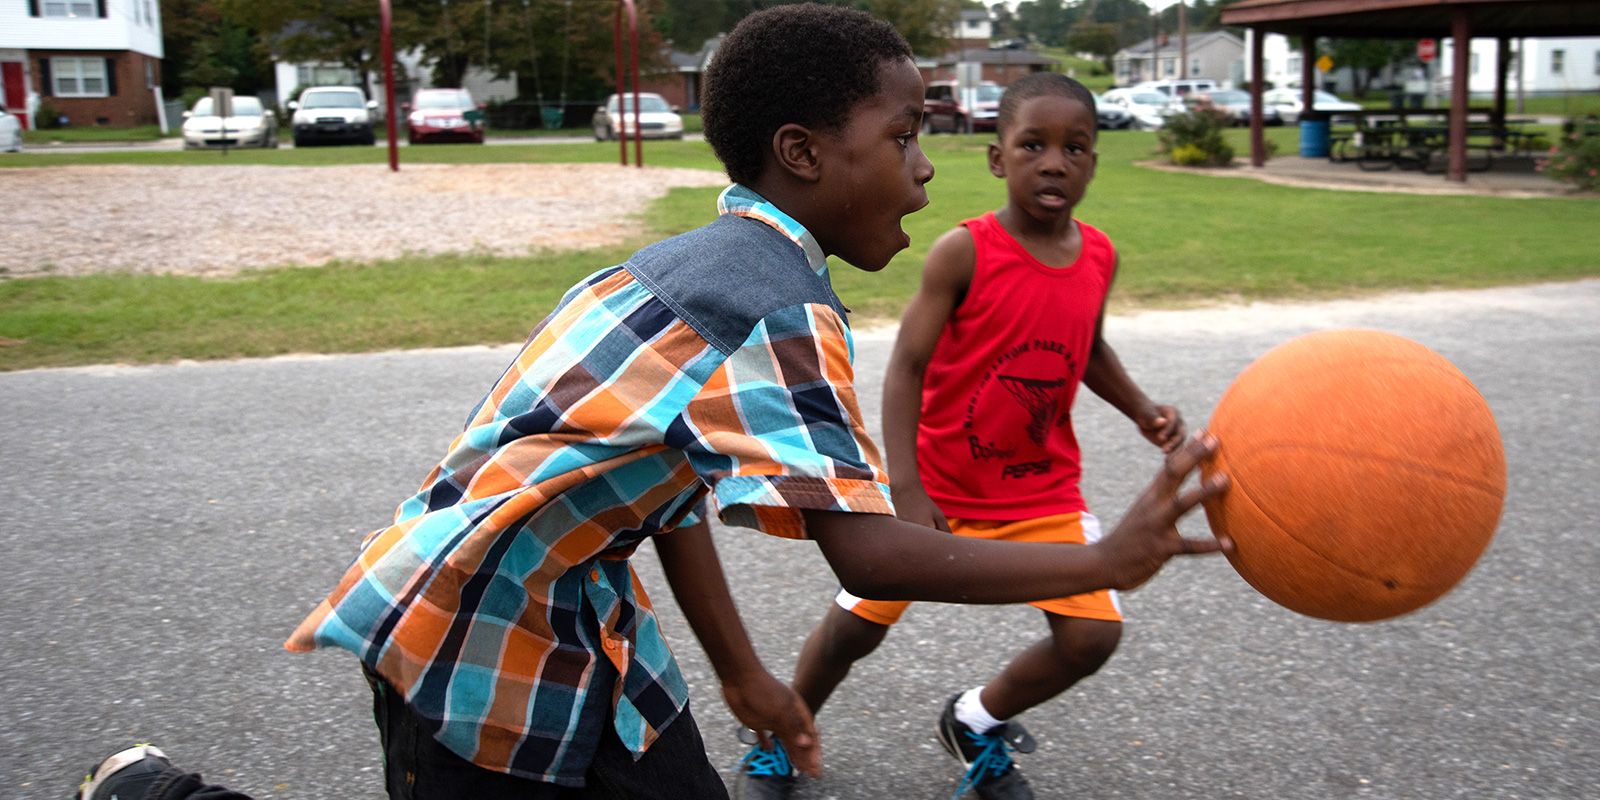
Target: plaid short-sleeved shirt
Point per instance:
(501, 601)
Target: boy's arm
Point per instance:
(759, 700)
(1105, 376)
(882, 558)
(945, 278)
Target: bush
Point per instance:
(1576, 158)
(1196, 137)
(46, 117)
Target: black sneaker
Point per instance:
(987, 756)
(764, 773)
(125, 775)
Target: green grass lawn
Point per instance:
(94, 134)
(1184, 239)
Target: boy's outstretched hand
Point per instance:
(1148, 534)
(769, 707)
(1163, 426)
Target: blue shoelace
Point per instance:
(992, 761)
(761, 762)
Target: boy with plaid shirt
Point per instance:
(511, 649)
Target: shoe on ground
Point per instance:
(991, 773)
(125, 775)
(764, 774)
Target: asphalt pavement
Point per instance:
(168, 526)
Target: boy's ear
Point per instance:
(996, 168)
(795, 148)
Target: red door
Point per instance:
(15, 90)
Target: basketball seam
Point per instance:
(1393, 462)
(1285, 530)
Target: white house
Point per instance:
(94, 62)
(1218, 55)
(1546, 65)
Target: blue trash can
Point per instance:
(1314, 136)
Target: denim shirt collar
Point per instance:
(742, 201)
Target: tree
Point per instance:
(926, 24)
(205, 48)
(343, 32)
(1044, 20)
(1099, 38)
(1366, 57)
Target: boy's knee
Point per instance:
(847, 637)
(1085, 643)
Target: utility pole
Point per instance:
(1183, 40)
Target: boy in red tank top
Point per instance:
(977, 430)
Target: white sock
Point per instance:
(970, 711)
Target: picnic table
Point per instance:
(1413, 139)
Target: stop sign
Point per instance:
(1427, 50)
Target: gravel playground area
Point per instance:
(221, 220)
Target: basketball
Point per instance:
(1367, 475)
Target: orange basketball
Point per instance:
(1367, 475)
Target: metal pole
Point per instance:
(1258, 141)
(633, 59)
(616, 46)
(385, 19)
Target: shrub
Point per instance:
(46, 117)
(1576, 158)
(1198, 134)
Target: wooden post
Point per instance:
(1258, 140)
(1502, 58)
(1460, 63)
(1308, 73)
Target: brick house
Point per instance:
(95, 62)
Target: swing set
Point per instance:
(551, 116)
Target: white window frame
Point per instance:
(68, 9)
(1558, 62)
(73, 68)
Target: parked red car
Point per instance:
(443, 115)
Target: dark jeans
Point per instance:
(417, 767)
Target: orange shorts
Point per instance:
(1073, 528)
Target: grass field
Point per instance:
(1184, 239)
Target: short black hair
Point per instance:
(805, 63)
(1037, 85)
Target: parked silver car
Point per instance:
(10, 132)
(657, 119)
(251, 125)
(1236, 104)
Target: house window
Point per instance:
(1597, 62)
(149, 74)
(1294, 65)
(150, 12)
(1169, 66)
(78, 77)
(1474, 68)
(1194, 66)
(68, 8)
(1558, 62)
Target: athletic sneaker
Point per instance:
(764, 773)
(987, 756)
(125, 775)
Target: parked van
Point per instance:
(1180, 89)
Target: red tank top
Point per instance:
(995, 438)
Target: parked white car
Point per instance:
(1179, 88)
(657, 119)
(1149, 109)
(10, 132)
(251, 125)
(1287, 102)
(333, 114)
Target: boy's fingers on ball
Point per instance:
(1195, 547)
